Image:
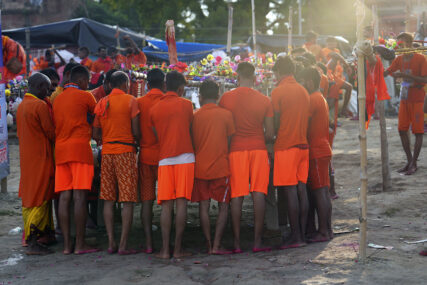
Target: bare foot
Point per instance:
(163, 254)
(181, 254)
(84, 249)
(310, 235)
(68, 249)
(220, 251)
(404, 169)
(318, 237)
(293, 243)
(411, 169)
(37, 249)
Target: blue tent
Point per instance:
(74, 33)
(187, 52)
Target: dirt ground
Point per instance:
(393, 217)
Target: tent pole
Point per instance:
(27, 49)
(385, 165)
(290, 30)
(230, 27)
(360, 15)
(253, 27)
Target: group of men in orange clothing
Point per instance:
(217, 153)
(104, 63)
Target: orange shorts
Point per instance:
(318, 173)
(411, 113)
(217, 189)
(175, 181)
(73, 176)
(147, 181)
(290, 167)
(250, 171)
(119, 170)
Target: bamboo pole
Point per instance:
(254, 27)
(360, 15)
(385, 164)
(290, 30)
(230, 27)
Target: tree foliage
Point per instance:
(202, 20)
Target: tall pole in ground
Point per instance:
(290, 30)
(4, 164)
(360, 15)
(385, 164)
(299, 18)
(230, 27)
(253, 27)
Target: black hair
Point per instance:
(406, 37)
(284, 66)
(298, 50)
(310, 35)
(101, 47)
(79, 72)
(174, 80)
(51, 73)
(322, 67)
(209, 89)
(310, 58)
(156, 78)
(311, 73)
(108, 75)
(245, 70)
(69, 66)
(118, 78)
(299, 67)
(304, 61)
(84, 49)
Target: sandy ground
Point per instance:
(393, 217)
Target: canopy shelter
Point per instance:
(74, 33)
(279, 43)
(187, 52)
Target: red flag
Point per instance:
(170, 41)
(375, 84)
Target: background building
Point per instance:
(20, 13)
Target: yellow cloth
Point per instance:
(38, 220)
(55, 93)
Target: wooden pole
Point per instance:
(299, 18)
(230, 27)
(360, 15)
(4, 185)
(27, 49)
(254, 27)
(385, 164)
(290, 30)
